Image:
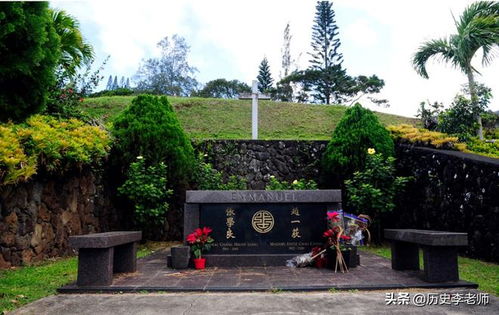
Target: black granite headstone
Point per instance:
(260, 227)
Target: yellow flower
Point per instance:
(371, 151)
(295, 182)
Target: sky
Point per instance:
(228, 39)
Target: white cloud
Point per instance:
(229, 39)
(361, 33)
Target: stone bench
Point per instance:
(102, 254)
(439, 252)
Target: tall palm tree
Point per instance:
(75, 51)
(478, 27)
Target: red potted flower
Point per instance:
(200, 240)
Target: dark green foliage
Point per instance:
(221, 88)
(65, 97)
(363, 85)
(460, 118)
(29, 52)
(326, 59)
(358, 130)
(149, 127)
(297, 184)
(146, 188)
(429, 114)
(264, 77)
(208, 178)
(75, 52)
(117, 92)
(283, 92)
(372, 191)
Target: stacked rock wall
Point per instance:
(37, 217)
(451, 191)
(257, 160)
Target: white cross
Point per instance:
(254, 110)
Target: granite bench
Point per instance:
(102, 254)
(439, 252)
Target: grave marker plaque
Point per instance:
(255, 227)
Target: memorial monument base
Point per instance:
(241, 260)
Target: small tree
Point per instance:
(429, 115)
(286, 52)
(149, 127)
(372, 191)
(358, 130)
(115, 83)
(109, 85)
(264, 77)
(29, 53)
(221, 88)
(170, 74)
(146, 188)
(477, 28)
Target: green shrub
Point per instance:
(208, 178)
(63, 143)
(422, 137)
(488, 148)
(358, 130)
(146, 188)
(117, 92)
(29, 50)
(15, 165)
(297, 184)
(372, 191)
(149, 127)
(407, 134)
(49, 143)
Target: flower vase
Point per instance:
(199, 263)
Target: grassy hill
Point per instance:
(208, 118)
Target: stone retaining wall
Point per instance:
(257, 160)
(452, 191)
(37, 217)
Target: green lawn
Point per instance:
(208, 118)
(473, 270)
(23, 285)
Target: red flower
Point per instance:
(191, 238)
(333, 216)
(328, 233)
(346, 237)
(198, 232)
(206, 230)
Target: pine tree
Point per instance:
(109, 85)
(286, 52)
(264, 77)
(326, 60)
(115, 83)
(122, 82)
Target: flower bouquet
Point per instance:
(200, 240)
(335, 239)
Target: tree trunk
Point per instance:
(474, 99)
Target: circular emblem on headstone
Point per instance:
(262, 221)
